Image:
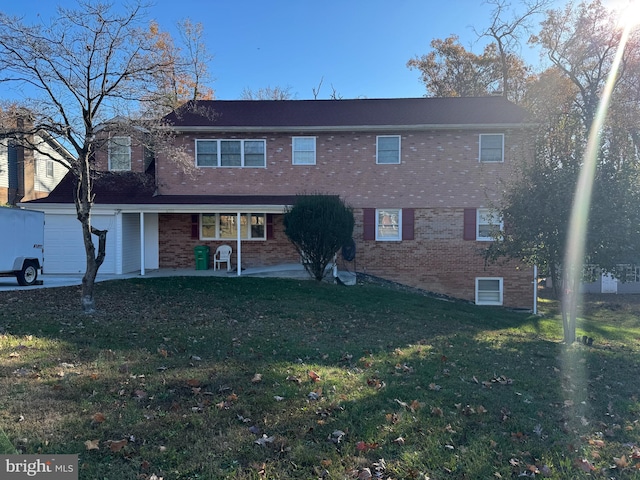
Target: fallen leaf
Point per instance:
(117, 445)
(92, 444)
(314, 376)
(293, 378)
(278, 398)
(621, 462)
(433, 386)
(264, 440)
(98, 418)
(364, 446)
(139, 394)
(257, 378)
(163, 353)
(437, 412)
(365, 474)
(399, 441)
(584, 465)
(193, 382)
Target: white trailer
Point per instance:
(21, 244)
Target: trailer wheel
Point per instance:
(28, 275)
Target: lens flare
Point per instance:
(575, 248)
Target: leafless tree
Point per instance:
(84, 67)
(267, 93)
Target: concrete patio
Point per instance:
(291, 270)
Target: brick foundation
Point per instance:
(437, 260)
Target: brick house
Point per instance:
(420, 174)
(27, 174)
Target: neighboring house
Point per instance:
(598, 282)
(28, 174)
(420, 174)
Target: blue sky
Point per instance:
(360, 47)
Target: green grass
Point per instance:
(210, 378)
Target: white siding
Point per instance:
(130, 242)
(41, 182)
(4, 165)
(64, 247)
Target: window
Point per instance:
(230, 153)
(50, 168)
(388, 149)
(487, 224)
(120, 153)
(492, 148)
(488, 291)
(223, 226)
(304, 150)
(389, 224)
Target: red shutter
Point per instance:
(469, 224)
(269, 226)
(407, 224)
(369, 224)
(195, 226)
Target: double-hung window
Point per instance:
(389, 224)
(230, 153)
(224, 226)
(388, 149)
(492, 147)
(489, 291)
(488, 224)
(49, 168)
(303, 150)
(120, 153)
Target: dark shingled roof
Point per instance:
(344, 113)
(128, 188)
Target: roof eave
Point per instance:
(347, 128)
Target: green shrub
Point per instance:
(318, 226)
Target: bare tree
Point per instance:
(86, 66)
(507, 27)
(267, 93)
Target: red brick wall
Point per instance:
(176, 245)
(101, 158)
(439, 168)
(437, 260)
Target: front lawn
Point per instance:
(213, 378)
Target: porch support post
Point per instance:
(238, 250)
(142, 252)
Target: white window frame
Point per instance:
(399, 137)
(243, 154)
(500, 291)
(294, 150)
(384, 234)
(217, 227)
(49, 169)
(481, 219)
(480, 156)
(125, 143)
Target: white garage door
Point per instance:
(64, 248)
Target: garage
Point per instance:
(64, 247)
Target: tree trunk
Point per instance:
(84, 203)
(569, 306)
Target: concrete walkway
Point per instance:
(293, 270)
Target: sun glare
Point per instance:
(628, 12)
